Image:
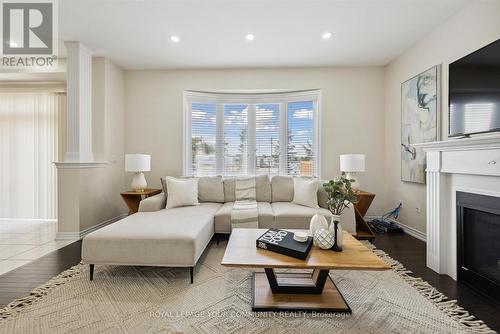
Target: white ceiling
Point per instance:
(136, 34)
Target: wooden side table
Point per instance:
(363, 231)
(132, 198)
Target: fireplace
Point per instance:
(478, 242)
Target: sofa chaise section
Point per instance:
(170, 238)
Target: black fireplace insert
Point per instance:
(478, 243)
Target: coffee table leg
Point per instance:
(304, 292)
(299, 283)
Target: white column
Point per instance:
(434, 193)
(79, 104)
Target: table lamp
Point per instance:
(352, 164)
(138, 163)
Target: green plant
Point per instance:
(340, 194)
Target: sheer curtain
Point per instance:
(28, 148)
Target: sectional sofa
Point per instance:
(177, 237)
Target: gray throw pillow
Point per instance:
(211, 189)
(263, 188)
(282, 188)
(229, 188)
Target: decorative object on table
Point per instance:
(318, 222)
(419, 121)
(138, 163)
(336, 230)
(340, 195)
(281, 241)
(352, 164)
(300, 236)
(133, 198)
(324, 239)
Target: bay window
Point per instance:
(234, 134)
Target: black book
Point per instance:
(282, 242)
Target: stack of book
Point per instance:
(281, 241)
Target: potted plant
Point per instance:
(340, 195)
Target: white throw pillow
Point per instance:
(181, 192)
(305, 192)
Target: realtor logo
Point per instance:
(28, 29)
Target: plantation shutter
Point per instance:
(233, 134)
(203, 138)
(267, 138)
(300, 139)
(235, 144)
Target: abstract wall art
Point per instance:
(419, 121)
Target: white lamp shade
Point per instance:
(137, 162)
(352, 162)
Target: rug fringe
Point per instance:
(448, 306)
(17, 305)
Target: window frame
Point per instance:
(219, 98)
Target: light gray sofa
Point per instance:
(177, 237)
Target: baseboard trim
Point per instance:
(408, 229)
(81, 234)
(413, 232)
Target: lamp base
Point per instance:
(353, 176)
(139, 182)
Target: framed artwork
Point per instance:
(420, 111)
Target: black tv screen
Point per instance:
(474, 92)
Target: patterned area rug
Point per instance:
(124, 299)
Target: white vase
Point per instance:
(317, 222)
(339, 229)
(323, 239)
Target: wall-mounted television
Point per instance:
(474, 92)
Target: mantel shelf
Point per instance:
(80, 164)
(465, 144)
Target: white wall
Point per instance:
(352, 114)
(473, 27)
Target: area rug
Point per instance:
(124, 299)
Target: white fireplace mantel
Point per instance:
(470, 159)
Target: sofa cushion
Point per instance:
(229, 189)
(263, 188)
(181, 192)
(153, 203)
(211, 189)
(290, 215)
(305, 192)
(222, 219)
(282, 189)
(169, 237)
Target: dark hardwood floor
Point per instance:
(404, 248)
(411, 253)
(19, 282)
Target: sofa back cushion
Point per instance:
(229, 187)
(282, 189)
(262, 189)
(211, 189)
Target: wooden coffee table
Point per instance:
(306, 292)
